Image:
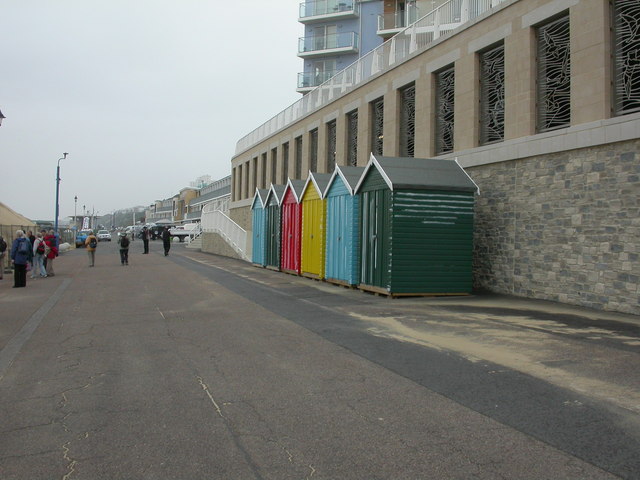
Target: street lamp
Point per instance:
(55, 227)
(75, 212)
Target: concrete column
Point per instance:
(520, 112)
(466, 102)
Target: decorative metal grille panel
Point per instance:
(285, 162)
(626, 31)
(331, 146)
(352, 138)
(492, 95)
(274, 165)
(263, 170)
(377, 137)
(298, 169)
(445, 96)
(313, 150)
(408, 121)
(554, 75)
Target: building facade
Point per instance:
(539, 100)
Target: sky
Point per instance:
(144, 95)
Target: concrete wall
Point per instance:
(214, 243)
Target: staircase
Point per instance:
(195, 244)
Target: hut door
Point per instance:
(272, 247)
(374, 238)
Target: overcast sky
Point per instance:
(144, 95)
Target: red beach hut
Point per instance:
(291, 233)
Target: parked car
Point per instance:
(104, 236)
(81, 236)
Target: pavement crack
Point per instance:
(213, 401)
(71, 467)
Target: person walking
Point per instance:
(39, 249)
(3, 253)
(91, 242)
(51, 251)
(145, 239)
(124, 249)
(20, 256)
(166, 240)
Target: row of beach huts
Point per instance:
(398, 226)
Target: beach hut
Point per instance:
(342, 258)
(259, 224)
(314, 210)
(291, 227)
(416, 226)
(272, 226)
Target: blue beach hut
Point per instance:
(342, 258)
(259, 224)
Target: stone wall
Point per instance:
(563, 227)
(214, 243)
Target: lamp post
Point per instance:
(75, 212)
(55, 227)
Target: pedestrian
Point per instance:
(51, 251)
(3, 253)
(20, 256)
(31, 237)
(124, 249)
(166, 240)
(145, 239)
(91, 242)
(39, 249)
(44, 260)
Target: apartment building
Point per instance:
(539, 100)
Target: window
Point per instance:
(274, 165)
(407, 121)
(298, 169)
(352, 138)
(377, 121)
(254, 172)
(313, 150)
(445, 95)
(492, 95)
(245, 178)
(554, 75)
(331, 146)
(263, 172)
(626, 57)
(285, 163)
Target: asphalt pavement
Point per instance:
(199, 366)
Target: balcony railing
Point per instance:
(397, 20)
(309, 80)
(322, 8)
(347, 41)
(419, 36)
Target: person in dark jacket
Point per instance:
(21, 254)
(166, 240)
(145, 239)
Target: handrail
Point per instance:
(417, 36)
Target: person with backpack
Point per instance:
(124, 249)
(20, 255)
(91, 243)
(3, 253)
(39, 249)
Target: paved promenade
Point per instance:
(197, 366)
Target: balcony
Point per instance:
(324, 10)
(307, 81)
(328, 45)
(390, 24)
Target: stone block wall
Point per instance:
(562, 227)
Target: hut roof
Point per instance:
(319, 180)
(297, 187)
(277, 191)
(420, 174)
(260, 196)
(350, 176)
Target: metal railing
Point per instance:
(400, 19)
(412, 39)
(217, 222)
(325, 7)
(310, 79)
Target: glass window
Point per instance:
(445, 102)
(554, 75)
(492, 95)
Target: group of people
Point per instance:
(30, 252)
(123, 241)
(36, 253)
